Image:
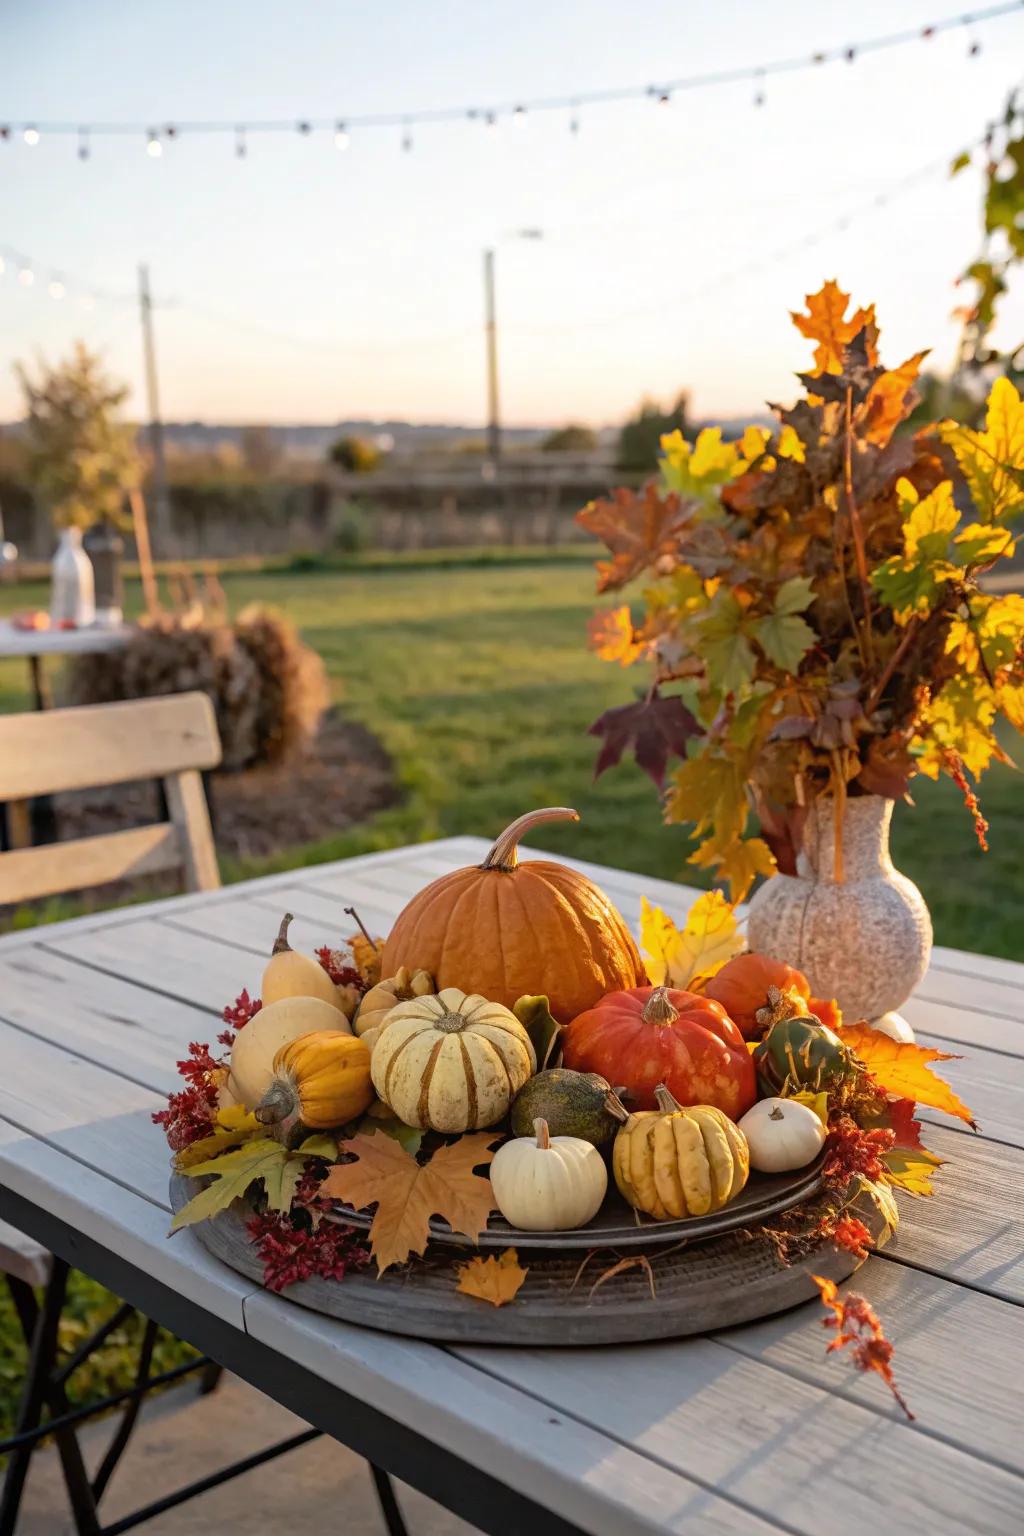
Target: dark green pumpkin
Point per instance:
(801, 1054)
(573, 1104)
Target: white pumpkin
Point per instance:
(278, 1024)
(546, 1183)
(895, 1026)
(781, 1135)
(451, 1063)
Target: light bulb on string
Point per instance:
(84, 149)
(5, 131)
(665, 99)
(407, 139)
(340, 136)
(26, 277)
(491, 120)
(56, 289)
(31, 137)
(154, 149)
(850, 55)
(304, 128)
(574, 120)
(519, 116)
(973, 42)
(760, 96)
(241, 147)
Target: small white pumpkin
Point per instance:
(895, 1026)
(548, 1183)
(782, 1135)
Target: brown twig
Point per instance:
(354, 915)
(875, 697)
(857, 527)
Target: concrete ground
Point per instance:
(181, 1437)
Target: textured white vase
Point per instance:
(72, 599)
(865, 940)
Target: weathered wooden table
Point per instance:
(752, 1430)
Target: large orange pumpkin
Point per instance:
(652, 1035)
(741, 986)
(503, 929)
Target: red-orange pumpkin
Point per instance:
(741, 986)
(504, 929)
(651, 1035)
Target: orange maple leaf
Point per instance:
(825, 324)
(640, 528)
(904, 1069)
(613, 637)
(407, 1193)
(496, 1280)
(888, 399)
(857, 1324)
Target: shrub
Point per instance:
(355, 455)
(640, 438)
(570, 439)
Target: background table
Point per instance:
(751, 1431)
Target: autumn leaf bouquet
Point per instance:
(814, 616)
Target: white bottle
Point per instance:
(71, 589)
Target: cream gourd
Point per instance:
(276, 1025)
(546, 1183)
(782, 1135)
(291, 974)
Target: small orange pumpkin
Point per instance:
(741, 986)
(656, 1036)
(503, 929)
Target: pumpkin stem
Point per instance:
(504, 852)
(281, 944)
(779, 1005)
(279, 1104)
(667, 1102)
(615, 1107)
(775, 1113)
(354, 915)
(543, 1134)
(659, 1008)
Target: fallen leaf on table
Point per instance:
(904, 1069)
(677, 958)
(407, 1194)
(911, 1169)
(234, 1126)
(235, 1171)
(496, 1280)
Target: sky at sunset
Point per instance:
(306, 284)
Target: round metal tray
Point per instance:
(617, 1225)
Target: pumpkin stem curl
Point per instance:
(659, 1008)
(542, 1133)
(281, 945)
(279, 1107)
(667, 1101)
(504, 853)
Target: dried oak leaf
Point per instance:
(407, 1193)
(857, 1324)
(496, 1280)
(903, 1069)
(639, 528)
(654, 729)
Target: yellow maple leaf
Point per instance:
(911, 1168)
(904, 1069)
(738, 860)
(818, 1102)
(234, 1125)
(993, 459)
(407, 1193)
(612, 636)
(1011, 702)
(825, 323)
(496, 1280)
(676, 958)
(888, 399)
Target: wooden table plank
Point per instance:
(555, 1456)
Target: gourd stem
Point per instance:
(614, 1106)
(667, 1101)
(659, 1008)
(281, 945)
(277, 1104)
(504, 852)
(543, 1134)
(354, 915)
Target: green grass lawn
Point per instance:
(478, 679)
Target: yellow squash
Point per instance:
(254, 1050)
(291, 974)
(320, 1080)
(672, 1162)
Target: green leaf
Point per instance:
(979, 543)
(321, 1145)
(534, 1014)
(727, 652)
(388, 1124)
(910, 587)
(784, 638)
(794, 595)
(234, 1173)
(929, 522)
(961, 162)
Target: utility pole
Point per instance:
(161, 503)
(491, 332)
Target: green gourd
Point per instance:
(799, 1054)
(580, 1104)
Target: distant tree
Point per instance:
(940, 399)
(640, 438)
(260, 454)
(82, 456)
(570, 439)
(355, 455)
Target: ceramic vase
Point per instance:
(72, 598)
(865, 939)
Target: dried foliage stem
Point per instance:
(857, 530)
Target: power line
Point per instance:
(154, 135)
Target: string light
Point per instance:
(241, 148)
(56, 289)
(5, 131)
(519, 116)
(83, 144)
(26, 277)
(407, 139)
(760, 96)
(340, 136)
(153, 146)
(518, 108)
